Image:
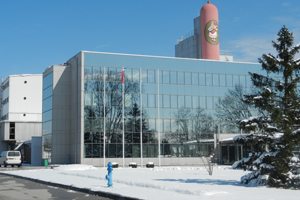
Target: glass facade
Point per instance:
(47, 116)
(183, 102)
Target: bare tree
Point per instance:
(232, 108)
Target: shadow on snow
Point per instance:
(207, 181)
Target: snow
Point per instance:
(168, 183)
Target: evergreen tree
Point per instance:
(133, 125)
(276, 132)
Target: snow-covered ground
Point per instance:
(160, 183)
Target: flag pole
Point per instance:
(104, 131)
(123, 135)
(158, 118)
(141, 119)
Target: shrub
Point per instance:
(115, 165)
(150, 165)
(133, 165)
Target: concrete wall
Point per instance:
(25, 130)
(61, 111)
(77, 107)
(164, 161)
(187, 48)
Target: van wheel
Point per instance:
(5, 165)
(19, 165)
(12, 165)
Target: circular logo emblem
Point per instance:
(211, 32)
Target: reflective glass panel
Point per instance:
(180, 78)
(135, 75)
(188, 78)
(209, 102)
(151, 100)
(180, 101)
(166, 101)
(195, 78)
(166, 77)
(47, 92)
(236, 80)
(216, 79)
(229, 80)
(88, 72)
(202, 79)
(47, 80)
(144, 100)
(173, 76)
(47, 104)
(209, 79)
(243, 81)
(195, 102)
(96, 73)
(173, 101)
(202, 102)
(151, 76)
(188, 101)
(144, 76)
(222, 80)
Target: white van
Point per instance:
(10, 158)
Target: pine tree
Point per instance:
(276, 132)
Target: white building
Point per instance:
(21, 109)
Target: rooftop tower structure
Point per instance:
(209, 32)
(203, 41)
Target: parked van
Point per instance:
(10, 158)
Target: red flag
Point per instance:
(122, 73)
(122, 79)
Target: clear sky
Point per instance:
(35, 34)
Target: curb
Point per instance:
(69, 187)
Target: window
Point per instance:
(201, 79)
(195, 78)
(12, 130)
(216, 79)
(166, 77)
(188, 78)
(173, 101)
(208, 79)
(173, 76)
(180, 78)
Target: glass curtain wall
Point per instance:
(47, 117)
(195, 97)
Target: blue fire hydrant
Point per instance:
(109, 175)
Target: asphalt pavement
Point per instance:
(12, 188)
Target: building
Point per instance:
(21, 110)
(177, 108)
(107, 107)
(191, 44)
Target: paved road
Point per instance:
(15, 188)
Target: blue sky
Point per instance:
(35, 34)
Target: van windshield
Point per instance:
(14, 153)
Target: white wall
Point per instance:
(32, 91)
